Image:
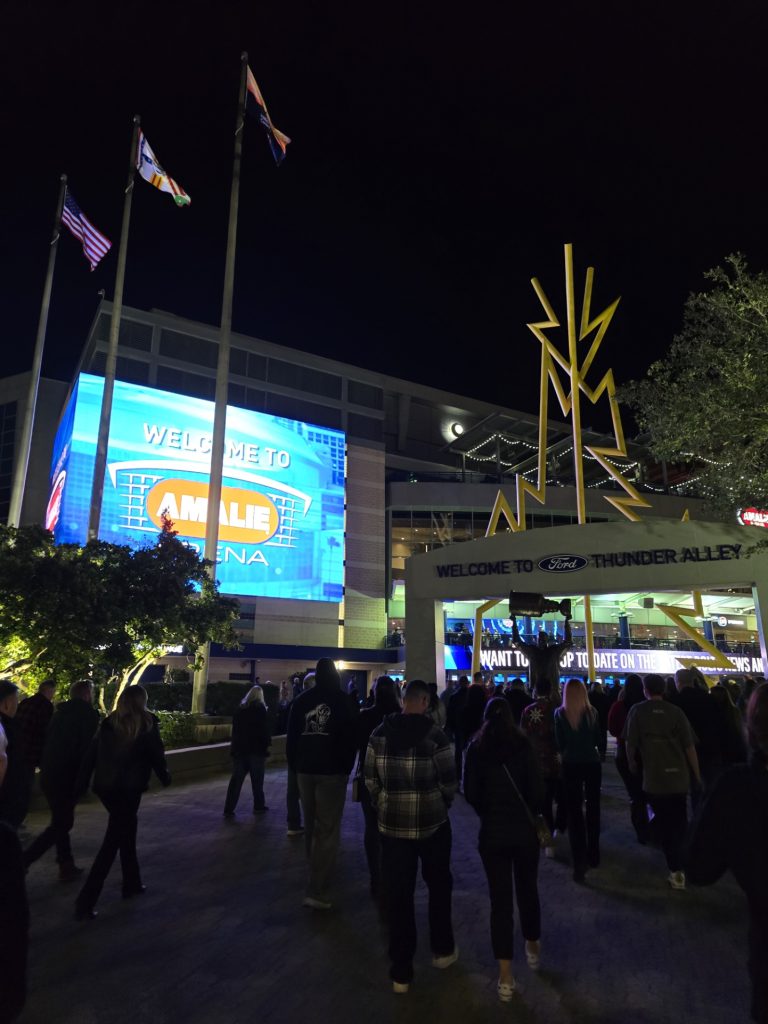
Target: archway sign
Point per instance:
(614, 557)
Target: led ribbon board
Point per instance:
(281, 531)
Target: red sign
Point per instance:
(752, 517)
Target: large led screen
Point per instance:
(281, 531)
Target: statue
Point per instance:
(544, 656)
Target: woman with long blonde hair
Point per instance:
(124, 753)
(577, 735)
(250, 746)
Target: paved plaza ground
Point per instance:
(221, 936)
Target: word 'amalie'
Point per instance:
(565, 562)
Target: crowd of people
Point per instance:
(529, 762)
(521, 757)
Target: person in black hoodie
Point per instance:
(124, 752)
(385, 703)
(410, 775)
(249, 749)
(67, 743)
(503, 783)
(730, 832)
(708, 727)
(320, 748)
(456, 704)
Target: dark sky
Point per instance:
(441, 155)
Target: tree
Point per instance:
(103, 610)
(706, 402)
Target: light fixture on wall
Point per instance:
(457, 429)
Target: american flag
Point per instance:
(95, 245)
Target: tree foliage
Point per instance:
(706, 402)
(103, 609)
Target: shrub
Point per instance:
(177, 729)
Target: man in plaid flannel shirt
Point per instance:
(411, 776)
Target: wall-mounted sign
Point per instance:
(725, 620)
(613, 661)
(752, 517)
(281, 515)
(608, 560)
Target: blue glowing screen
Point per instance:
(281, 530)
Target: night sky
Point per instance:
(441, 156)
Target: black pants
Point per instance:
(512, 871)
(400, 862)
(120, 836)
(554, 795)
(671, 815)
(371, 838)
(61, 802)
(582, 786)
(292, 801)
(243, 765)
(637, 802)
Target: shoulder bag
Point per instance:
(538, 821)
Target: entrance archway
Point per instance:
(599, 558)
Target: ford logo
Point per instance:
(563, 563)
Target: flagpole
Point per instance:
(222, 385)
(25, 445)
(100, 465)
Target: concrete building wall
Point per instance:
(365, 611)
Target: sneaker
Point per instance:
(549, 851)
(316, 904)
(295, 832)
(532, 954)
(445, 961)
(676, 879)
(401, 987)
(506, 990)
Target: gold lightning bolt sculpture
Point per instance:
(580, 333)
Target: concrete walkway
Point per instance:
(221, 936)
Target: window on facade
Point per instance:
(188, 349)
(364, 427)
(365, 394)
(132, 370)
(186, 383)
(309, 412)
(133, 334)
(236, 395)
(304, 378)
(255, 399)
(257, 366)
(238, 361)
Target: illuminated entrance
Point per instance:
(598, 558)
(594, 559)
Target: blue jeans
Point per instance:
(241, 766)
